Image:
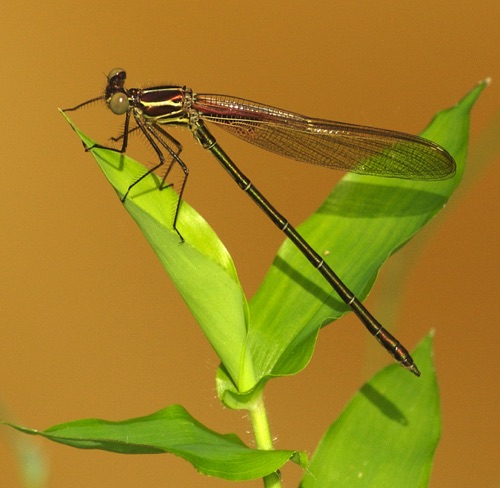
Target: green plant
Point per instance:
(391, 426)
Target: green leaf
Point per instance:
(200, 267)
(171, 430)
(387, 434)
(363, 221)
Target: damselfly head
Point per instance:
(116, 96)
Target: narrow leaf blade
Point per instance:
(171, 430)
(363, 221)
(200, 267)
(387, 434)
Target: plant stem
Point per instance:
(263, 438)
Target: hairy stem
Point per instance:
(263, 438)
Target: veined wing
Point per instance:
(336, 145)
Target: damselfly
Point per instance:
(337, 145)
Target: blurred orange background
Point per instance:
(74, 345)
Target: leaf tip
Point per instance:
(486, 82)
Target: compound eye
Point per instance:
(118, 103)
(117, 72)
